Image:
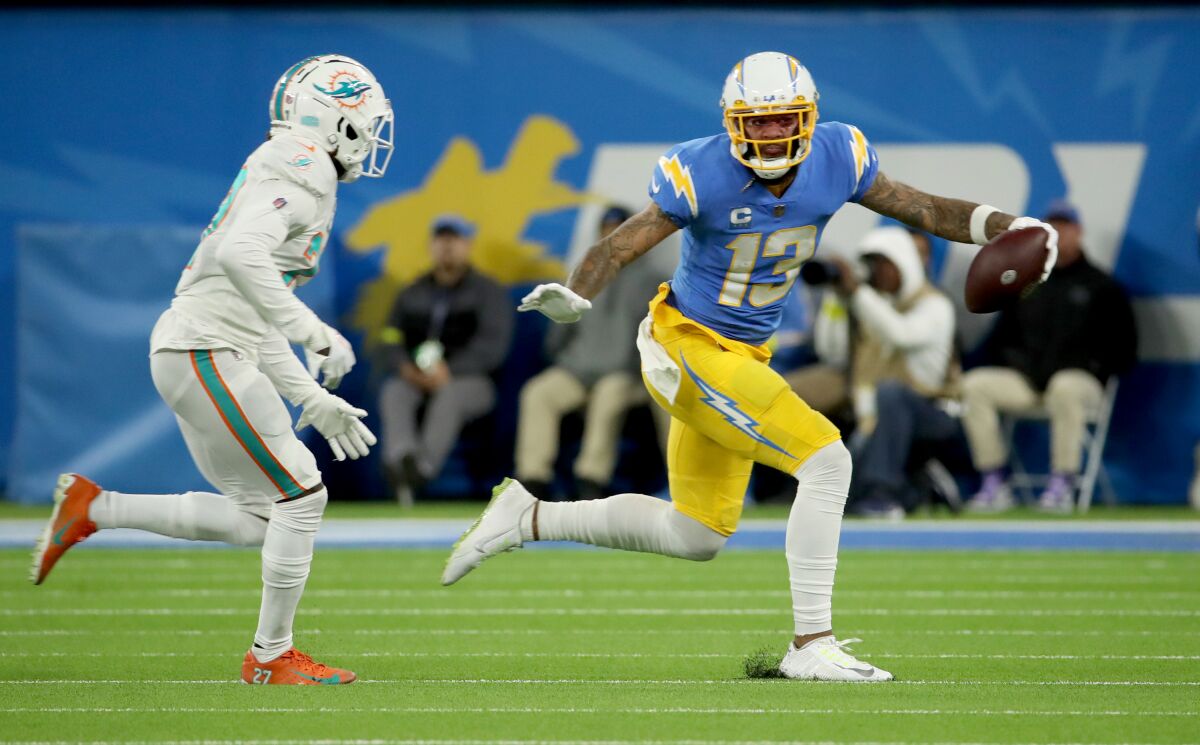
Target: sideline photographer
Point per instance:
(824, 384)
(904, 374)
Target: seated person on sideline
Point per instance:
(448, 331)
(1054, 349)
(904, 369)
(595, 365)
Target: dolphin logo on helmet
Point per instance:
(346, 89)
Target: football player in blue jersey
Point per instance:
(752, 203)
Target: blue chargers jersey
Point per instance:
(742, 245)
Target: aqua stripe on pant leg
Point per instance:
(242, 429)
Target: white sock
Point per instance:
(196, 516)
(286, 555)
(813, 531)
(633, 522)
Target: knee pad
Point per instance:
(828, 470)
(301, 515)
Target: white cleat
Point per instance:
(825, 658)
(497, 530)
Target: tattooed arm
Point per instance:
(634, 237)
(948, 218)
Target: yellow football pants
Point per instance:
(731, 410)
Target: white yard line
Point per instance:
(208, 592)
(626, 681)
(665, 612)
(592, 710)
(616, 655)
(503, 742)
(500, 631)
(653, 578)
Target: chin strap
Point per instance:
(767, 175)
(772, 175)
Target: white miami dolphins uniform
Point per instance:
(221, 359)
(220, 352)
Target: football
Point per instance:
(1005, 269)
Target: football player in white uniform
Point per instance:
(221, 358)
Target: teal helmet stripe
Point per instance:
(287, 78)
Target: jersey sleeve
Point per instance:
(864, 160)
(284, 369)
(673, 187)
(269, 214)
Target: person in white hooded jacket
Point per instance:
(904, 372)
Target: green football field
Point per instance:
(573, 646)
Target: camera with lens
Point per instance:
(817, 272)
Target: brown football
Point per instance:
(1005, 269)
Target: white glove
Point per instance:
(556, 302)
(329, 352)
(339, 423)
(1051, 241)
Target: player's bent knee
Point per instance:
(832, 460)
(251, 530)
(302, 514)
(694, 540)
(826, 471)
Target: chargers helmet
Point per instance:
(769, 83)
(338, 103)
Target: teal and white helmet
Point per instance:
(337, 102)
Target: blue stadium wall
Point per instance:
(123, 130)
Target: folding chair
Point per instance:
(1094, 437)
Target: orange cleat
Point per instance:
(69, 523)
(293, 667)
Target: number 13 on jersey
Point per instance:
(745, 257)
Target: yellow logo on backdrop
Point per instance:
(499, 202)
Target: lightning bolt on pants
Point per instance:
(730, 411)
